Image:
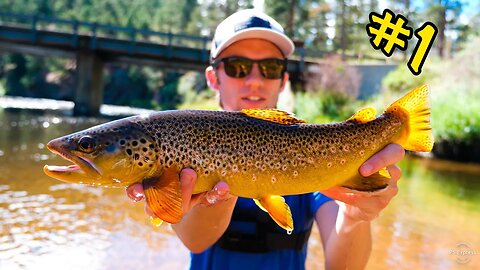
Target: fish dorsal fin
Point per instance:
(364, 115)
(273, 115)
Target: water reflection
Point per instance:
(45, 223)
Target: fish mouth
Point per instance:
(81, 169)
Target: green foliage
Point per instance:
(324, 107)
(455, 91)
(3, 90)
(455, 96)
(455, 117)
(303, 20)
(401, 79)
(195, 95)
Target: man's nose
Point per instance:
(255, 78)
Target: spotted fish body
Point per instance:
(260, 154)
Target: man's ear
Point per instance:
(284, 81)
(212, 79)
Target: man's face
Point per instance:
(252, 91)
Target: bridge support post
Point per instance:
(89, 84)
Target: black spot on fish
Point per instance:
(143, 141)
(129, 152)
(122, 142)
(140, 164)
(144, 149)
(136, 156)
(134, 143)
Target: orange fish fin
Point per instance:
(273, 115)
(278, 210)
(417, 136)
(364, 115)
(163, 195)
(374, 182)
(156, 221)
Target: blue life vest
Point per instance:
(254, 241)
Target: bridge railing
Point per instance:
(96, 30)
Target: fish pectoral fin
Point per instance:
(276, 207)
(363, 116)
(273, 115)
(164, 196)
(374, 182)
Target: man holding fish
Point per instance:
(223, 231)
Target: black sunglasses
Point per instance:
(240, 67)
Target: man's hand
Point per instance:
(363, 206)
(188, 178)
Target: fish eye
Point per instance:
(86, 144)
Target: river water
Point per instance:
(433, 223)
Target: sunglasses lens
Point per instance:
(237, 67)
(272, 68)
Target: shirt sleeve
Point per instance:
(318, 200)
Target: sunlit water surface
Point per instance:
(47, 224)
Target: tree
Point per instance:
(444, 14)
(303, 20)
(350, 20)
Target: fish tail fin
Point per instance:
(417, 136)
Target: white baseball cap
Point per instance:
(250, 23)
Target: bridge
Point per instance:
(94, 44)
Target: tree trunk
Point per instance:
(343, 29)
(291, 18)
(441, 31)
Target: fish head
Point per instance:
(106, 155)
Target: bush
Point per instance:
(324, 107)
(401, 79)
(334, 75)
(455, 92)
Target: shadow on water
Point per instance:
(45, 223)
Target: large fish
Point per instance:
(260, 154)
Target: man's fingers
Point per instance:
(389, 155)
(341, 194)
(188, 178)
(135, 192)
(219, 193)
(395, 172)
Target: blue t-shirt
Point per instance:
(303, 208)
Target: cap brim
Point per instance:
(280, 40)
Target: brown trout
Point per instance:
(260, 154)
